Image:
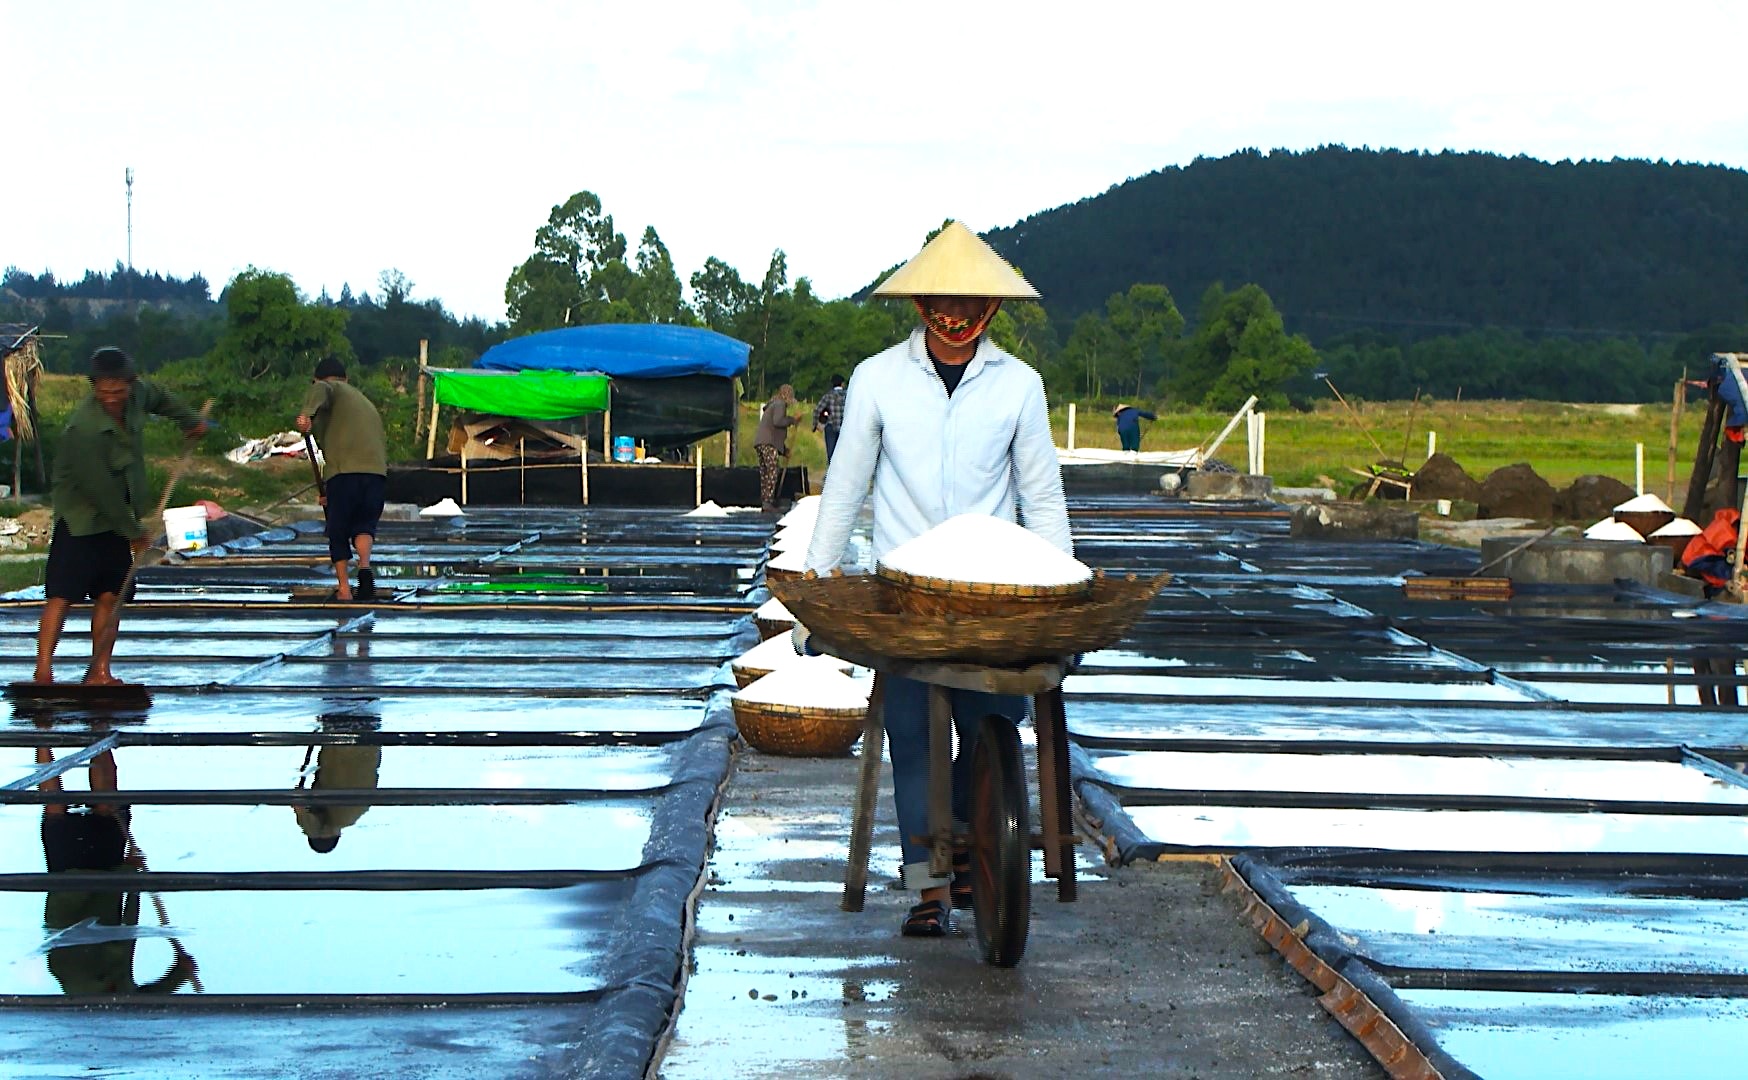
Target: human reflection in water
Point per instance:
(93, 933)
(339, 766)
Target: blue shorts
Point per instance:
(354, 509)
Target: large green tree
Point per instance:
(272, 332)
(1240, 348)
(576, 273)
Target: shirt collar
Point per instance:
(987, 352)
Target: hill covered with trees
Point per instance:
(1406, 242)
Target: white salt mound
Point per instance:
(794, 561)
(808, 685)
(803, 512)
(442, 508)
(706, 509)
(773, 653)
(986, 550)
(1679, 527)
(773, 610)
(1613, 530)
(1644, 504)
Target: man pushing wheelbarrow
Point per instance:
(943, 424)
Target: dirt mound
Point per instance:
(1591, 498)
(1516, 491)
(1442, 478)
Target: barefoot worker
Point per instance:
(355, 456)
(941, 424)
(99, 494)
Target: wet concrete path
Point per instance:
(1150, 973)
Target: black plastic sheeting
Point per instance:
(518, 658)
(1578, 747)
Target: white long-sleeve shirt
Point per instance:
(987, 449)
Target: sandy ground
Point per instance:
(1151, 973)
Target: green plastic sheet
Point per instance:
(529, 395)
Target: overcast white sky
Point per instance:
(333, 140)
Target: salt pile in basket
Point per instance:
(779, 652)
(986, 550)
(1610, 529)
(773, 610)
(814, 682)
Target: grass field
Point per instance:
(1562, 442)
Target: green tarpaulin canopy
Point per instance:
(529, 395)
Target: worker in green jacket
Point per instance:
(99, 496)
(355, 456)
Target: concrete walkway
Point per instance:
(1151, 973)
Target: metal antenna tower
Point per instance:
(130, 219)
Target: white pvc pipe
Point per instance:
(1262, 443)
(1638, 468)
(1071, 425)
(1431, 443)
(1243, 411)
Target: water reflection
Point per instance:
(339, 766)
(91, 934)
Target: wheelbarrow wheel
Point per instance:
(1001, 843)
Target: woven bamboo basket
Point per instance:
(916, 594)
(770, 628)
(795, 731)
(773, 574)
(1644, 522)
(855, 615)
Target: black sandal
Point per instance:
(927, 919)
(960, 890)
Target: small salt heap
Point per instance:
(1644, 504)
(1610, 529)
(778, 652)
(773, 610)
(793, 562)
(986, 550)
(706, 509)
(808, 685)
(1679, 527)
(803, 513)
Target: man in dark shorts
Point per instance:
(99, 494)
(355, 452)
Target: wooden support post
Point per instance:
(1694, 508)
(607, 427)
(698, 474)
(1675, 433)
(419, 420)
(464, 474)
(431, 435)
(522, 460)
(585, 462)
(42, 476)
(733, 450)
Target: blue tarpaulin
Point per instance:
(623, 350)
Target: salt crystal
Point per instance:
(1610, 529)
(773, 610)
(808, 685)
(1644, 504)
(986, 550)
(773, 653)
(1679, 527)
(803, 512)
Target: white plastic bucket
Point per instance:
(185, 527)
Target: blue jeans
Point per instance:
(906, 711)
(831, 441)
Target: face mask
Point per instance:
(955, 329)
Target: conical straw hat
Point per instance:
(957, 263)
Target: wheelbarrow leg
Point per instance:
(1054, 792)
(862, 824)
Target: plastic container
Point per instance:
(624, 448)
(185, 528)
